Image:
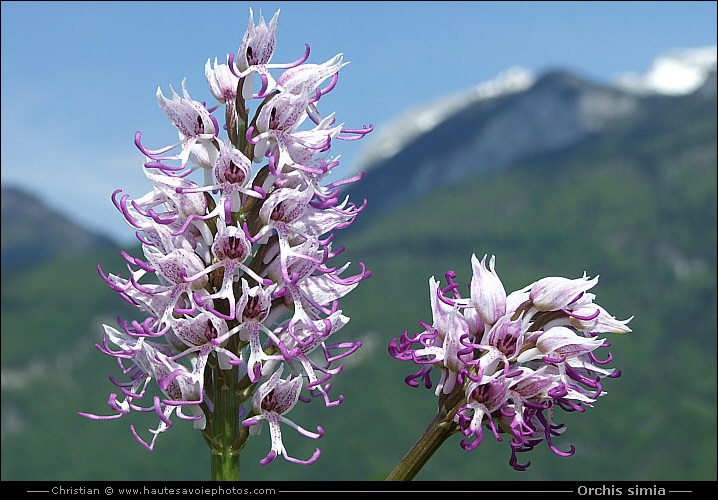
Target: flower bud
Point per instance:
(473, 321)
(487, 292)
(564, 341)
(222, 83)
(602, 322)
(554, 293)
(258, 42)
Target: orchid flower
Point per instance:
(272, 400)
(197, 130)
(150, 361)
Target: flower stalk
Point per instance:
(421, 451)
(225, 422)
(438, 431)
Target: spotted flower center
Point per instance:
(254, 309)
(210, 332)
(270, 403)
(507, 344)
(235, 248)
(251, 59)
(199, 127)
(481, 394)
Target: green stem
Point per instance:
(434, 436)
(420, 453)
(225, 423)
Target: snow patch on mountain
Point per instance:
(678, 72)
(389, 139)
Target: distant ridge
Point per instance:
(677, 72)
(515, 118)
(32, 232)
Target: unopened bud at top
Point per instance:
(487, 292)
(258, 42)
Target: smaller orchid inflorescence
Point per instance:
(507, 362)
(236, 278)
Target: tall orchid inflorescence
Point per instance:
(508, 362)
(241, 299)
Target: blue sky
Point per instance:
(79, 78)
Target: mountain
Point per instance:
(677, 72)
(513, 118)
(32, 232)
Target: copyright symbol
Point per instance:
(108, 490)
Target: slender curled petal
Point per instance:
(482, 400)
(517, 359)
(150, 361)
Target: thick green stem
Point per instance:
(225, 424)
(434, 436)
(225, 465)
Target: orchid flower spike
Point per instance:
(509, 362)
(239, 275)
